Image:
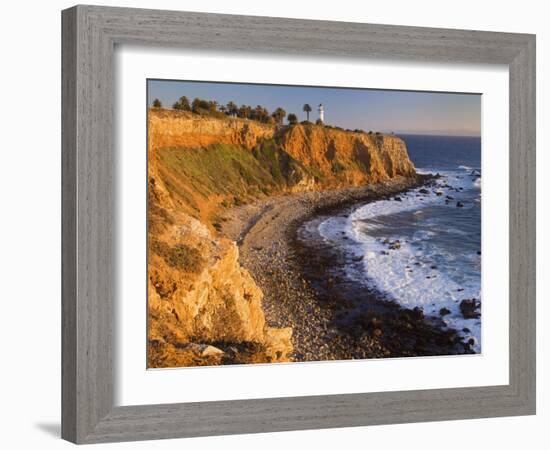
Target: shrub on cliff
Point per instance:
(188, 259)
(183, 257)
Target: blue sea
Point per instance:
(423, 249)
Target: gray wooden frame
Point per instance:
(89, 37)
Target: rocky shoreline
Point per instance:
(332, 317)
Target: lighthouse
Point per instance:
(321, 113)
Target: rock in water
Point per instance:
(395, 245)
(470, 308)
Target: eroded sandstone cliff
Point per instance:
(344, 158)
(204, 308)
(334, 157)
(169, 128)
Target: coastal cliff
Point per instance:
(204, 308)
(210, 163)
(342, 158)
(169, 128)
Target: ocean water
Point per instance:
(423, 250)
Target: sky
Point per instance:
(401, 112)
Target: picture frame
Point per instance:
(90, 34)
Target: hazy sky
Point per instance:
(368, 109)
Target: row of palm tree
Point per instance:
(259, 113)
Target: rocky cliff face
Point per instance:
(334, 156)
(167, 128)
(330, 157)
(343, 158)
(204, 308)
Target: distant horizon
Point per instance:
(388, 111)
(437, 134)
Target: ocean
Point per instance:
(423, 248)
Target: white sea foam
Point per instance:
(412, 279)
(409, 274)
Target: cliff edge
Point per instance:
(203, 307)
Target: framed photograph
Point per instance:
(265, 229)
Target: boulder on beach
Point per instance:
(210, 350)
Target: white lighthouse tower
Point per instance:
(321, 113)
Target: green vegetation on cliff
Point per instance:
(229, 171)
(206, 163)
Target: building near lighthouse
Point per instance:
(321, 113)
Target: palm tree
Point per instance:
(292, 119)
(279, 114)
(260, 114)
(307, 110)
(232, 109)
(245, 112)
(182, 104)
